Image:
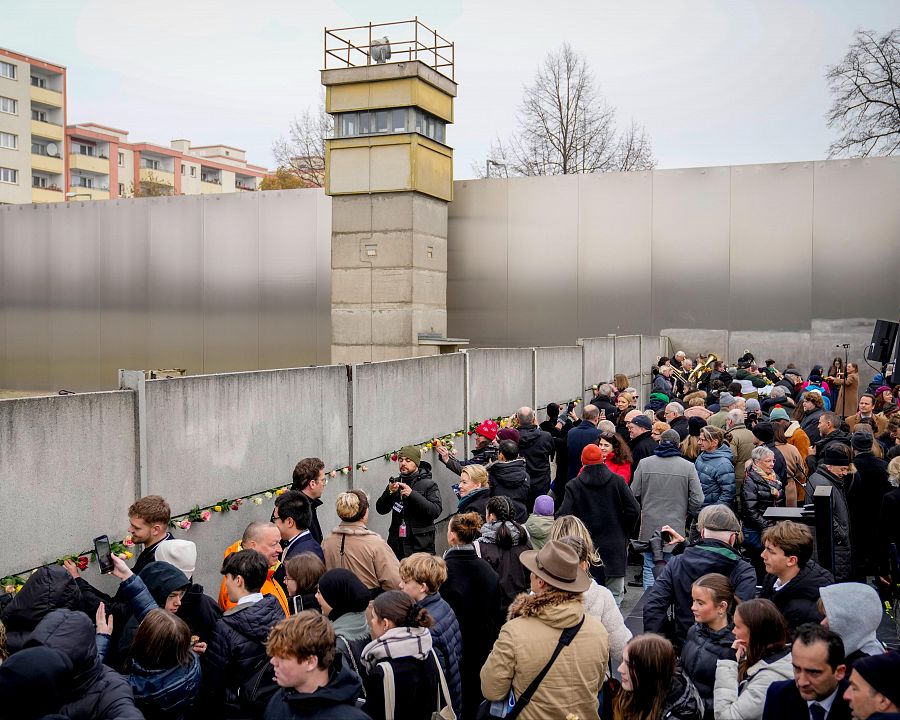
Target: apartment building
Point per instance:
(105, 164)
(42, 159)
(33, 158)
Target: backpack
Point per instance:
(258, 688)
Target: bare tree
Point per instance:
(566, 126)
(302, 152)
(866, 96)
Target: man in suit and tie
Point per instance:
(817, 691)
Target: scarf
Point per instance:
(775, 486)
(399, 642)
(489, 532)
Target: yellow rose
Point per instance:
(217, 508)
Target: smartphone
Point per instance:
(104, 554)
(666, 536)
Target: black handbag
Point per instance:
(565, 639)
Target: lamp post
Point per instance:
(496, 163)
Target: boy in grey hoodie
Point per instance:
(540, 522)
(853, 611)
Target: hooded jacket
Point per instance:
(703, 648)
(742, 443)
(607, 507)
(809, 423)
(668, 489)
(539, 527)
(854, 612)
(798, 599)
(840, 517)
(234, 654)
(716, 472)
(418, 511)
(746, 701)
(510, 478)
(536, 446)
(334, 701)
(165, 694)
(34, 682)
(643, 446)
(51, 587)
(200, 612)
(525, 645)
(577, 439)
(97, 692)
(673, 586)
(599, 602)
(505, 561)
(758, 497)
(364, 553)
(447, 639)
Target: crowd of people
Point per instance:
(520, 616)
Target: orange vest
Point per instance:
(270, 586)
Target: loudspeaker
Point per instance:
(895, 377)
(883, 338)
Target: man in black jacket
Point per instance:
(414, 501)
(509, 477)
(538, 449)
(604, 403)
(793, 578)
(641, 441)
(714, 553)
(237, 649)
(818, 685)
(309, 478)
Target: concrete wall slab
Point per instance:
(558, 374)
(501, 381)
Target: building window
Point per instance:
(121, 159)
(9, 141)
(182, 169)
(81, 181)
(38, 81)
(39, 115)
(86, 150)
(121, 189)
(8, 105)
(38, 148)
(193, 171)
(397, 120)
(149, 164)
(8, 175)
(39, 181)
(7, 70)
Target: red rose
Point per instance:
(83, 562)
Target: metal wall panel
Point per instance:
(26, 296)
(287, 281)
(543, 259)
(230, 284)
(771, 247)
(124, 287)
(614, 232)
(856, 239)
(477, 256)
(176, 283)
(690, 251)
(75, 296)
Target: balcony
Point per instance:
(45, 163)
(157, 177)
(85, 193)
(210, 188)
(46, 97)
(91, 163)
(45, 195)
(51, 131)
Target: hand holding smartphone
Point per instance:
(104, 554)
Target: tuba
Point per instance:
(701, 373)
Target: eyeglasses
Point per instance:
(274, 517)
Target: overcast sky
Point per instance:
(715, 82)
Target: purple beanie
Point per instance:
(543, 505)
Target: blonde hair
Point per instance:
(894, 471)
(352, 505)
(477, 474)
(571, 526)
(424, 568)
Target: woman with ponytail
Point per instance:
(501, 543)
(711, 636)
(402, 671)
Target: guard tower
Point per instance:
(389, 170)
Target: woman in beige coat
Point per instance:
(528, 639)
(848, 395)
(351, 545)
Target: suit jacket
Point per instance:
(783, 702)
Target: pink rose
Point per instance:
(205, 516)
(185, 524)
(128, 542)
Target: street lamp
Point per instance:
(496, 163)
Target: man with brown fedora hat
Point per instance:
(550, 654)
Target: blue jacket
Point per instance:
(716, 472)
(579, 437)
(137, 596)
(447, 643)
(165, 694)
(673, 587)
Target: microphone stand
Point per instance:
(846, 347)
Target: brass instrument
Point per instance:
(700, 373)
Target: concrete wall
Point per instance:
(501, 380)
(67, 474)
(599, 362)
(558, 374)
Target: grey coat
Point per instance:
(667, 489)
